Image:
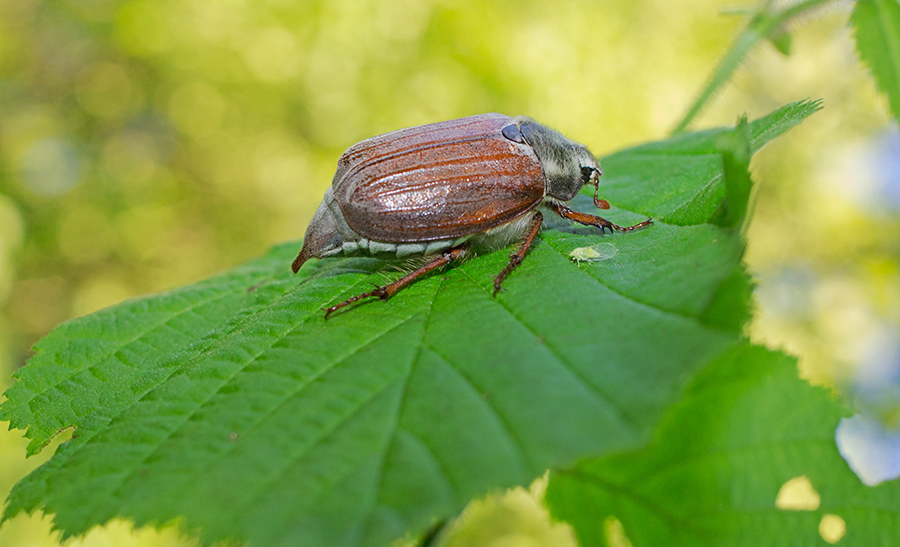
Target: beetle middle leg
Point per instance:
(516, 258)
(592, 220)
(388, 290)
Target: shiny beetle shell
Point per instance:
(429, 188)
(438, 181)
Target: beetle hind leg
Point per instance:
(388, 290)
(516, 258)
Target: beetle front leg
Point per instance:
(516, 258)
(388, 290)
(592, 220)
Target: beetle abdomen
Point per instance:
(329, 235)
(438, 181)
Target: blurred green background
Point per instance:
(146, 144)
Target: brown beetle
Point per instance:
(444, 188)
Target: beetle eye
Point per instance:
(587, 174)
(513, 133)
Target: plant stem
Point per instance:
(761, 25)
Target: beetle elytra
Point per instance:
(446, 188)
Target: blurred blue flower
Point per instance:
(787, 290)
(870, 441)
(50, 167)
(886, 169)
(871, 450)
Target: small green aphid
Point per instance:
(594, 253)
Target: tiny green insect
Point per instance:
(594, 253)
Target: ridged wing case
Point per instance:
(437, 181)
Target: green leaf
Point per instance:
(735, 149)
(234, 405)
(680, 180)
(93, 367)
(877, 30)
(782, 41)
(718, 472)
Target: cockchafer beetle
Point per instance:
(446, 188)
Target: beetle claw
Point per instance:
(380, 292)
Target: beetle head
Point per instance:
(567, 165)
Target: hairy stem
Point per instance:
(761, 25)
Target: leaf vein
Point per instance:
(630, 298)
(672, 520)
(513, 439)
(555, 353)
(7, 410)
(252, 358)
(390, 438)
